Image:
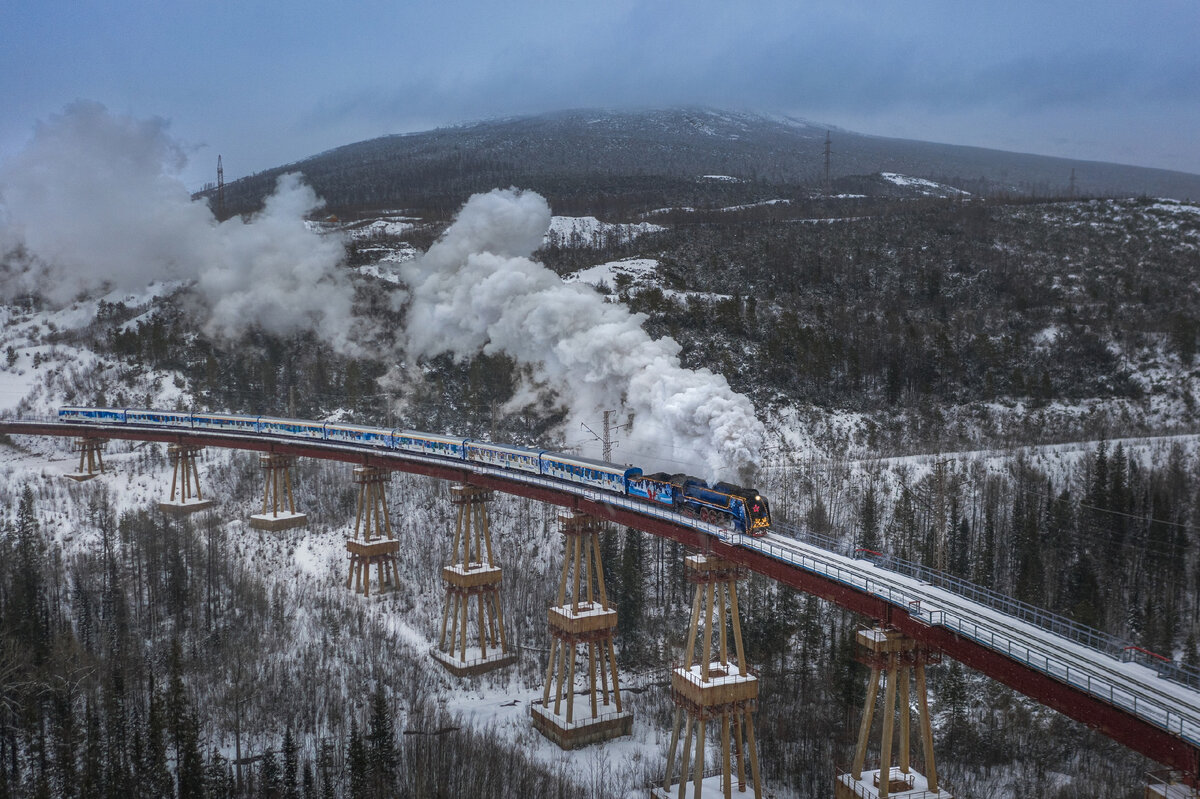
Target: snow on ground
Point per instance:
(687, 209)
(385, 268)
(756, 205)
(927, 187)
(633, 275)
(588, 231)
(605, 276)
(43, 371)
(1120, 218)
(17, 383)
(1176, 207)
(830, 219)
(378, 229)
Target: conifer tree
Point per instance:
(325, 769)
(381, 746)
(189, 762)
(91, 777)
(632, 599)
(356, 762)
(308, 783)
(269, 783)
(26, 610)
(868, 521)
(155, 775)
(291, 789)
(218, 779)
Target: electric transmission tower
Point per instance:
(828, 182)
(220, 190)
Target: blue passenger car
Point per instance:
(656, 488)
(585, 471)
(298, 428)
(158, 418)
(504, 455)
(73, 413)
(358, 434)
(429, 444)
(225, 421)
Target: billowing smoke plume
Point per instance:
(477, 289)
(94, 203)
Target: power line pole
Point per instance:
(828, 183)
(607, 449)
(608, 429)
(220, 190)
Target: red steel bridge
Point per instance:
(1140, 701)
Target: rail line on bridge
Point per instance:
(1125, 701)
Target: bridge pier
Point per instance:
(372, 543)
(892, 655)
(590, 623)
(713, 687)
(91, 462)
(472, 574)
(185, 481)
(277, 489)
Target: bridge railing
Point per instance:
(1119, 648)
(1093, 681)
(1102, 687)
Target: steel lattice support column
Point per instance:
(185, 496)
(91, 462)
(279, 504)
(372, 543)
(893, 656)
(472, 574)
(584, 618)
(713, 686)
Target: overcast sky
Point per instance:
(265, 83)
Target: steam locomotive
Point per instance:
(735, 507)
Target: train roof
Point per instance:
(590, 463)
(430, 436)
(364, 427)
(504, 447)
(287, 420)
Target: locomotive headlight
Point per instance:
(758, 499)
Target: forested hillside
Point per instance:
(656, 158)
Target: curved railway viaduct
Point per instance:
(1125, 701)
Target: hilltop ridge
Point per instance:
(662, 153)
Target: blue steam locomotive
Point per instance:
(742, 509)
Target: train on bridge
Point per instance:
(732, 506)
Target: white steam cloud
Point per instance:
(93, 203)
(477, 289)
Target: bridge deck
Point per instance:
(1126, 701)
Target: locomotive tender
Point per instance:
(742, 509)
